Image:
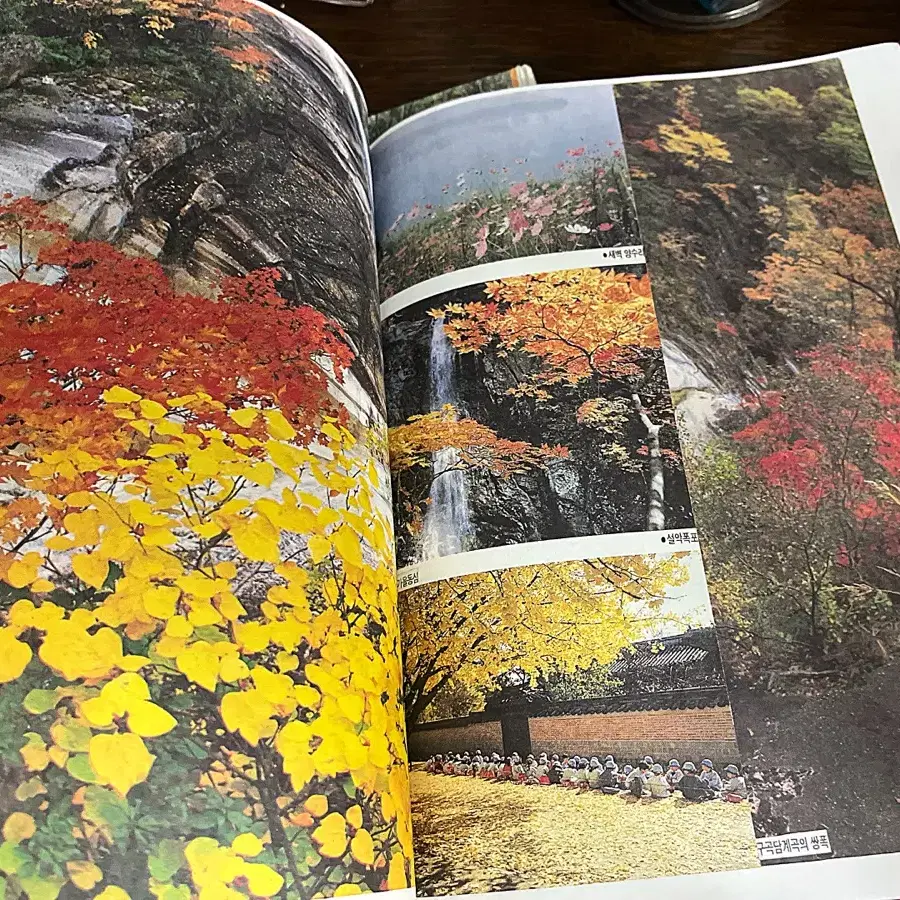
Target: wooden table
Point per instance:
(403, 49)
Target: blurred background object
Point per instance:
(701, 14)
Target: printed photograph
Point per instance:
(528, 409)
(569, 723)
(199, 643)
(516, 173)
(775, 271)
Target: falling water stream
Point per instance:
(447, 524)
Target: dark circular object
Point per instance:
(690, 15)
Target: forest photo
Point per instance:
(504, 175)
(528, 409)
(199, 645)
(775, 269)
(570, 704)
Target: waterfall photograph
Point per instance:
(528, 409)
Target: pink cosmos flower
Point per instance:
(480, 244)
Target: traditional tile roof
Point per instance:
(690, 698)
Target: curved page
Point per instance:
(569, 395)
(198, 637)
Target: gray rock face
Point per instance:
(138, 154)
(19, 55)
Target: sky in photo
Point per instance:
(523, 129)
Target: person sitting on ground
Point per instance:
(691, 787)
(568, 770)
(554, 771)
(539, 773)
(431, 764)
(518, 768)
(595, 770)
(674, 774)
(611, 759)
(659, 787)
(581, 774)
(637, 779)
(506, 770)
(735, 788)
(609, 778)
(477, 763)
(622, 778)
(709, 776)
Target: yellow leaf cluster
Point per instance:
(256, 578)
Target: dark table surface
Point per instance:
(403, 49)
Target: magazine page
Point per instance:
(571, 402)
(199, 644)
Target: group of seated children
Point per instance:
(646, 779)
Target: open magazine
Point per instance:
(512, 359)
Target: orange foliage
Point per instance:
(478, 447)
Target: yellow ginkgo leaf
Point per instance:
(160, 600)
(98, 711)
(278, 426)
(42, 585)
(396, 879)
(23, 571)
(354, 816)
(331, 836)
(179, 627)
(150, 409)
(247, 845)
(90, 568)
(286, 662)
(319, 547)
(18, 827)
(14, 656)
(149, 720)
(120, 395)
(347, 890)
(346, 542)
(112, 892)
(316, 805)
(261, 880)
(83, 873)
(245, 416)
(120, 760)
(200, 664)
(233, 669)
(248, 713)
(257, 540)
(362, 847)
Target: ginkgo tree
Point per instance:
(593, 330)
(535, 619)
(199, 646)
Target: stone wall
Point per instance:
(680, 733)
(455, 736)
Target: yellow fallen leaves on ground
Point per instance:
(474, 836)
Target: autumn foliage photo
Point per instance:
(518, 173)
(199, 644)
(530, 408)
(775, 269)
(516, 675)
